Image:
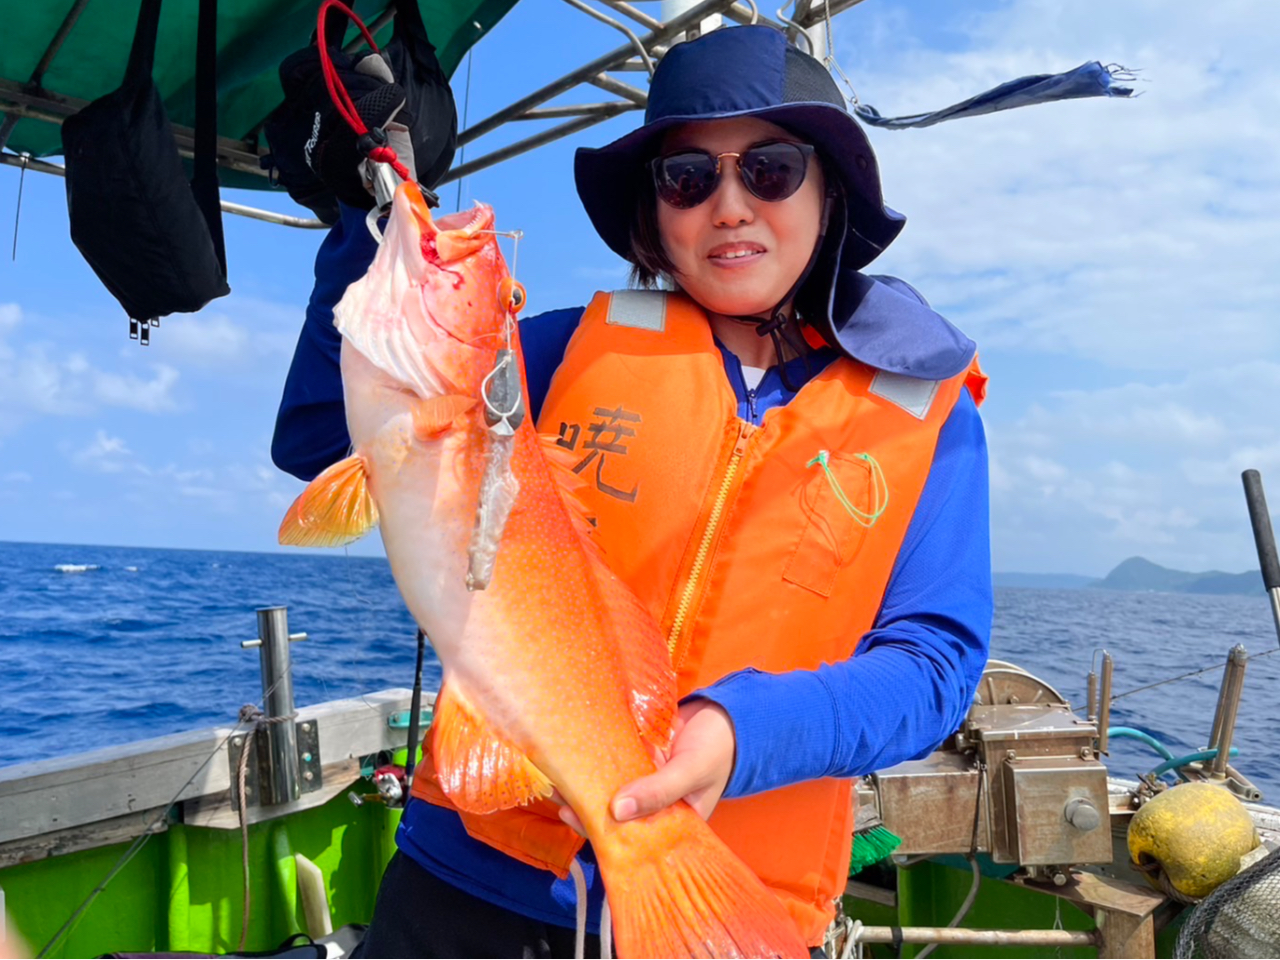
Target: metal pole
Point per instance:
(1091, 697)
(639, 16)
(584, 73)
(37, 75)
(986, 938)
(1229, 701)
(817, 13)
(385, 17)
(626, 90)
(530, 143)
(1265, 539)
(1220, 709)
(1104, 703)
(239, 209)
(609, 109)
(55, 108)
(617, 25)
(673, 8)
(277, 695)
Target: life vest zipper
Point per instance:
(708, 539)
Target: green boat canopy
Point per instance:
(56, 55)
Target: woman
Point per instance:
(785, 463)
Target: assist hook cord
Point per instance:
(374, 143)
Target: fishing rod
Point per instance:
(1265, 539)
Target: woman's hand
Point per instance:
(695, 769)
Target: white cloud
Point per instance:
(1132, 232)
(39, 378)
(206, 340)
(1126, 247)
(230, 333)
(1136, 469)
(151, 396)
(16, 476)
(233, 489)
(104, 454)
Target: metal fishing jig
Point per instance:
(502, 394)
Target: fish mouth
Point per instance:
(452, 237)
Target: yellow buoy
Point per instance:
(1196, 832)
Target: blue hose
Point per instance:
(1199, 755)
(1134, 734)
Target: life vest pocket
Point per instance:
(832, 534)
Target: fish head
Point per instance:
(460, 272)
(428, 313)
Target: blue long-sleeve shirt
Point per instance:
(912, 677)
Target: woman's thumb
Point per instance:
(656, 791)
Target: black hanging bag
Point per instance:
(152, 237)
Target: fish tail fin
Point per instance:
(676, 890)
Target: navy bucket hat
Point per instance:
(742, 72)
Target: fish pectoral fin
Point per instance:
(479, 769)
(335, 509)
(433, 417)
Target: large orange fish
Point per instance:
(554, 674)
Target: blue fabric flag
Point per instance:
(1086, 80)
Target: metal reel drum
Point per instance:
(1008, 683)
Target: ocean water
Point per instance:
(104, 645)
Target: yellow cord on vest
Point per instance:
(879, 488)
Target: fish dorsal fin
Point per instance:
(432, 417)
(480, 770)
(335, 509)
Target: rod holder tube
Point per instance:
(281, 781)
(1104, 702)
(1264, 538)
(1232, 686)
(1091, 697)
(1220, 709)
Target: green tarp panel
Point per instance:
(253, 37)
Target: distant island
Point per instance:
(1140, 574)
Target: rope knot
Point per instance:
(250, 714)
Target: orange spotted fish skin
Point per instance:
(554, 676)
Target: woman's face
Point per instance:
(734, 253)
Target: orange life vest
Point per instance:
(736, 539)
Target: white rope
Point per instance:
(606, 931)
(853, 941)
(579, 895)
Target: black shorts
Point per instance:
(419, 915)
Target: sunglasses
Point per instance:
(770, 171)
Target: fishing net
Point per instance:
(1239, 919)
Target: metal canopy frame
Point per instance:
(641, 51)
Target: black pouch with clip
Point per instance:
(152, 237)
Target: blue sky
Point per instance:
(1116, 261)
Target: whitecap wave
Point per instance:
(131, 569)
(76, 567)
